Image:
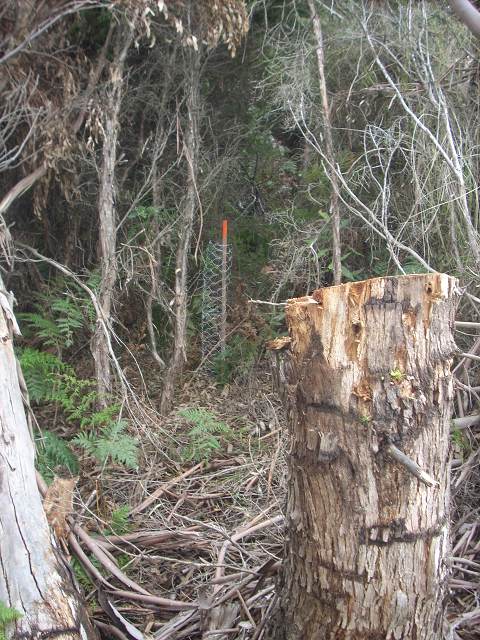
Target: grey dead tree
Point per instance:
(468, 14)
(34, 579)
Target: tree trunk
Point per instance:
(329, 152)
(33, 578)
(190, 149)
(107, 214)
(370, 398)
(155, 268)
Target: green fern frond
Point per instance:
(53, 452)
(87, 441)
(205, 434)
(41, 327)
(68, 317)
(110, 443)
(81, 575)
(120, 447)
(119, 521)
(77, 397)
(56, 320)
(105, 416)
(41, 371)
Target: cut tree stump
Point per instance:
(369, 395)
(34, 580)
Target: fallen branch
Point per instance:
(164, 487)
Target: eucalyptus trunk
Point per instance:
(34, 579)
(369, 392)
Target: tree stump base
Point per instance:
(369, 396)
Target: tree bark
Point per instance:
(190, 149)
(369, 392)
(33, 578)
(107, 214)
(329, 149)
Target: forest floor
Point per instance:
(198, 530)
(195, 534)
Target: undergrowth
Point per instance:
(119, 524)
(110, 442)
(205, 438)
(103, 433)
(54, 453)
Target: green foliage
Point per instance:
(413, 266)
(56, 322)
(62, 312)
(205, 436)
(77, 397)
(397, 375)
(251, 244)
(236, 360)
(460, 441)
(110, 443)
(8, 615)
(44, 328)
(69, 318)
(119, 522)
(140, 219)
(48, 379)
(81, 575)
(42, 371)
(89, 29)
(52, 453)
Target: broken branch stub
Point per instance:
(369, 400)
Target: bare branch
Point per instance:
(468, 14)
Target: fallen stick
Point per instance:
(162, 603)
(164, 487)
(110, 630)
(104, 560)
(235, 538)
(173, 626)
(261, 626)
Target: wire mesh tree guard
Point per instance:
(217, 262)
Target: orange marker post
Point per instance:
(223, 318)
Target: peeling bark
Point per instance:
(190, 150)
(107, 213)
(34, 579)
(368, 384)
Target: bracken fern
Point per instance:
(205, 435)
(110, 443)
(54, 452)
